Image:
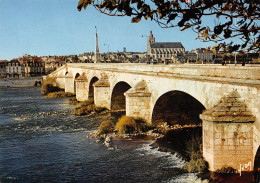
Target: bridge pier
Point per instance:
(82, 88)
(138, 101)
(228, 134)
(69, 83)
(102, 93)
(61, 80)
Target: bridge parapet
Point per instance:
(250, 72)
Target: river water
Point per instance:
(41, 140)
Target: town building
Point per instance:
(15, 69)
(34, 69)
(3, 64)
(51, 63)
(33, 65)
(171, 52)
(191, 57)
(204, 55)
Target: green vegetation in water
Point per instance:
(188, 146)
(49, 85)
(196, 163)
(86, 109)
(73, 100)
(60, 94)
(125, 125)
(129, 125)
(187, 143)
(106, 127)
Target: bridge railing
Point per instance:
(235, 72)
(57, 70)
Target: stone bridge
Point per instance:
(225, 98)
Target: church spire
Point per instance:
(97, 48)
(151, 39)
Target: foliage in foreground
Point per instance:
(231, 18)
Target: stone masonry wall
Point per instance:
(82, 90)
(138, 107)
(69, 85)
(228, 144)
(102, 96)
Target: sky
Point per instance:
(56, 27)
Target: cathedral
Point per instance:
(172, 52)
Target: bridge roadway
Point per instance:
(228, 97)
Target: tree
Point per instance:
(232, 18)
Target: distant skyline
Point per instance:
(56, 27)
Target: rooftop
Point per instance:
(166, 45)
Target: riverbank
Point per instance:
(178, 141)
(19, 82)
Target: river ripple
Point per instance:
(42, 141)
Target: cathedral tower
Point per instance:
(151, 39)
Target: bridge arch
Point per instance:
(177, 107)
(257, 165)
(91, 88)
(75, 77)
(118, 97)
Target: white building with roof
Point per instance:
(15, 69)
(204, 55)
(164, 50)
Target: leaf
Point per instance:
(185, 27)
(80, 5)
(136, 19)
(218, 15)
(201, 29)
(83, 3)
(87, 2)
(227, 33)
(181, 23)
(139, 4)
(218, 29)
(214, 36)
(171, 17)
(204, 34)
(146, 16)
